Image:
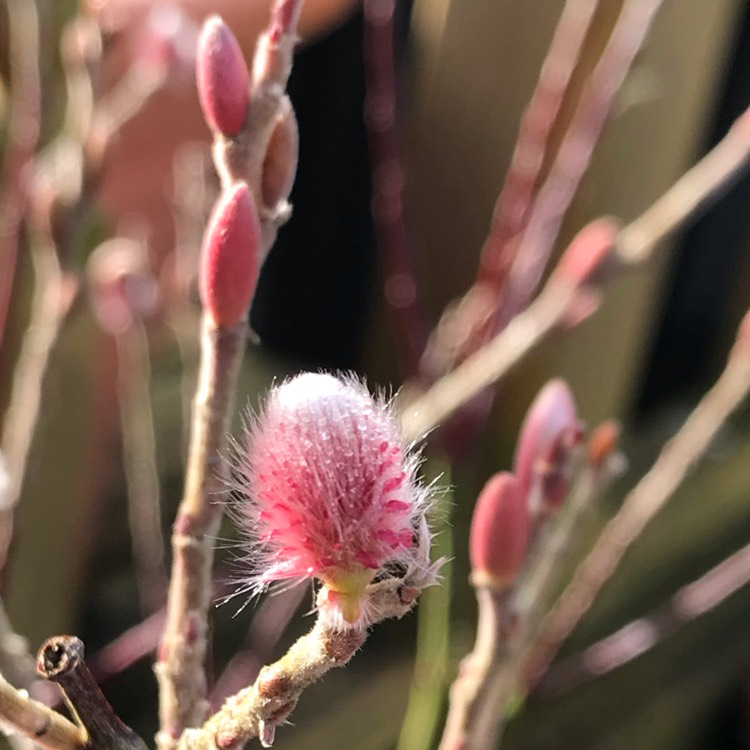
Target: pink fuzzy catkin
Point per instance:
(332, 489)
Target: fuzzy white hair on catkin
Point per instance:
(315, 395)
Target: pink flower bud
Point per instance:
(122, 287)
(545, 453)
(603, 443)
(332, 489)
(280, 163)
(590, 254)
(499, 533)
(230, 257)
(223, 78)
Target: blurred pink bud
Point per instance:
(280, 164)
(590, 253)
(603, 443)
(122, 286)
(230, 257)
(332, 491)
(546, 449)
(499, 533)
(223, 78)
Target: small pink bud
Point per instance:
(590, 253)
(280, 164)
(545, 452)
(230, 257)
(121, 284)
(223, 78)
(603, 443)
(499, 533)
(333, 492)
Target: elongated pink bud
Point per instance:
(230, 257)
(544, 457)
(499, 533)
(223, 78)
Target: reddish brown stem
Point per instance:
(401, 289)
(22, 138)
(528, 160)
(61, 660)
(573, 158)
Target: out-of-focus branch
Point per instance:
(528, 215)
(47, 728)
(635, 244)
(641, 505)
(470, 691)
(141, 474)
(640, 636)
(528, 160)
(53, 293)
(267, 627)
(401, 288)
(573, 158)
(22, 137)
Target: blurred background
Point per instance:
(466, 72)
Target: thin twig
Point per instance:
(394, 246)
(61, 661)
(49, 307)
(648, 497)
(22, 138)
(708, 180)
(575, 152)
(463, 727)
(636, 243)
(180, 668)
(529, 156)
(47, 728)
(642, 635)
(141, 474)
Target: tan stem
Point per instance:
(180, 667)
(34, 720)
(141, 473)
(257, 710)
(469, 691)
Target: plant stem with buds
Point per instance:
(180, 667)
